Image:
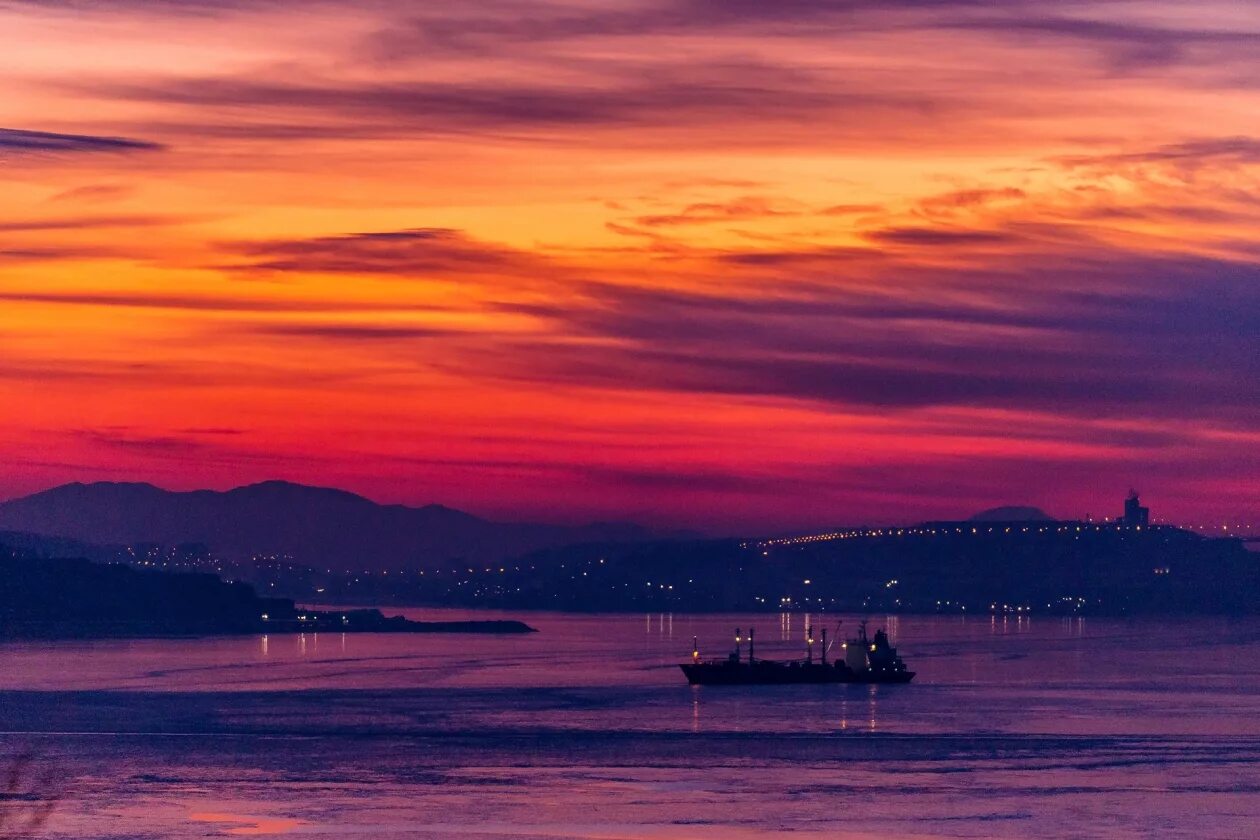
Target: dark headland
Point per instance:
(75, 598)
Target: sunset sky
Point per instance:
(725, 264)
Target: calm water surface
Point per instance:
(1041, 727)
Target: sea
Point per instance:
(1020, 726)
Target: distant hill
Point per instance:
(978, 570)
(316, 526)
(1012, 513)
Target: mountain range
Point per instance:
(314, 526)
(1012, 513)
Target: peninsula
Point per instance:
(74, 598)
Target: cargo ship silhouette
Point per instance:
(866, 660)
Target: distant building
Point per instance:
(1134, 514)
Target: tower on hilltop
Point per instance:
(1134, 514)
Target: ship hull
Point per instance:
(778, 673)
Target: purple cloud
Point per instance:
(22, 141)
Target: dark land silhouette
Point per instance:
(72, 597)
(945, 567)
(1013, 559)
(1012, 513)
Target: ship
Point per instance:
(865, 660)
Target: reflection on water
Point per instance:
(1004, 624)
(1016, 726)
(244, 825)
(664, 623)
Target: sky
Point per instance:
(731, 265)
